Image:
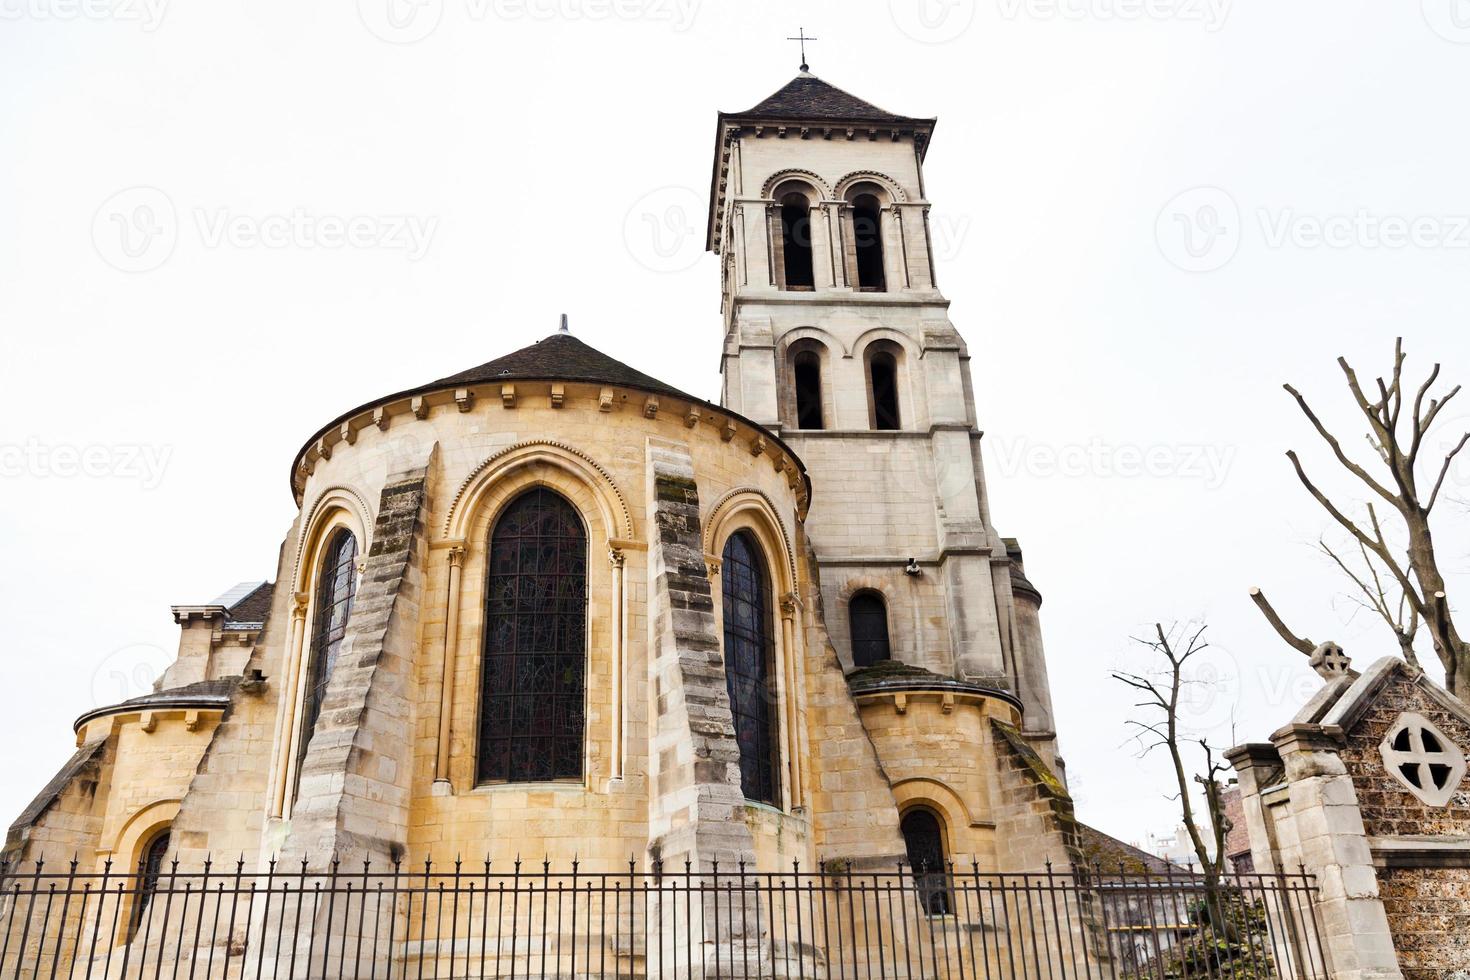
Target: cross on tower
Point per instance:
(801, 36)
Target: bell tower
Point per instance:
(837, 337)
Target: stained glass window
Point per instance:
(534, 662)
(923, 836)
(150, 868)
(750, 651)
(335, 588)
(869, 629)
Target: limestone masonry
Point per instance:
(553, 606)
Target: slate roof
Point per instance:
(252, 608)
(203, 694)
(808, 97)
(560, 357)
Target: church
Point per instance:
(550, 607)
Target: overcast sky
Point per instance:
(221, 224)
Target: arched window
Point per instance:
(883, 387)
(869, 621)
(807, 369)
(923, 837)
(336, 585)
(150, 869)
(796, 241)
(750, 654)
(867, 231)
(534, 665)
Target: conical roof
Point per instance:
(559, 357)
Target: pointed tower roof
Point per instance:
(808, 97)
(809, 107)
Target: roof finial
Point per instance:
(564, 327)
(802, 37)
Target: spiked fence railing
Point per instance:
(484, 921)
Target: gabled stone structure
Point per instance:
(1365, 789)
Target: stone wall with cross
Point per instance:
(1366, 790)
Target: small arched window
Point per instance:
(534, 664)
(923, 838)
(883, 389)
(807, 370)
(750, 654)
(867, 231)
(336, 586)
(150, 869)
(796, 242)
(869, 621)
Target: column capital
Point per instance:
(456, 556)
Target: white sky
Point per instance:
(532, 142)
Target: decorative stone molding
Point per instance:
(605, 400)
(726, 504)
(558, 395)
(858, 176)
(346, 433)
(817, 183)
(508, 396)
(419, 407)
(556, 453)
(464, 398)
(349, 500)
(650, 407)
(346, 498)
(382, 418)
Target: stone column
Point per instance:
(1334, 847)
(617, 560)
(284, 745)
(446, 686)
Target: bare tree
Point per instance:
(1398, 440)
(1163, 693)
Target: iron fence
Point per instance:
(531, 921)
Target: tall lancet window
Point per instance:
(534, 666)
(750, 655)
(867, 229)
(807, 369)
(336, 585)
(796, 242)
(869, 620)
(883, 389)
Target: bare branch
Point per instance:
(1337, 450)
(1299, 643)
(1444, 471)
